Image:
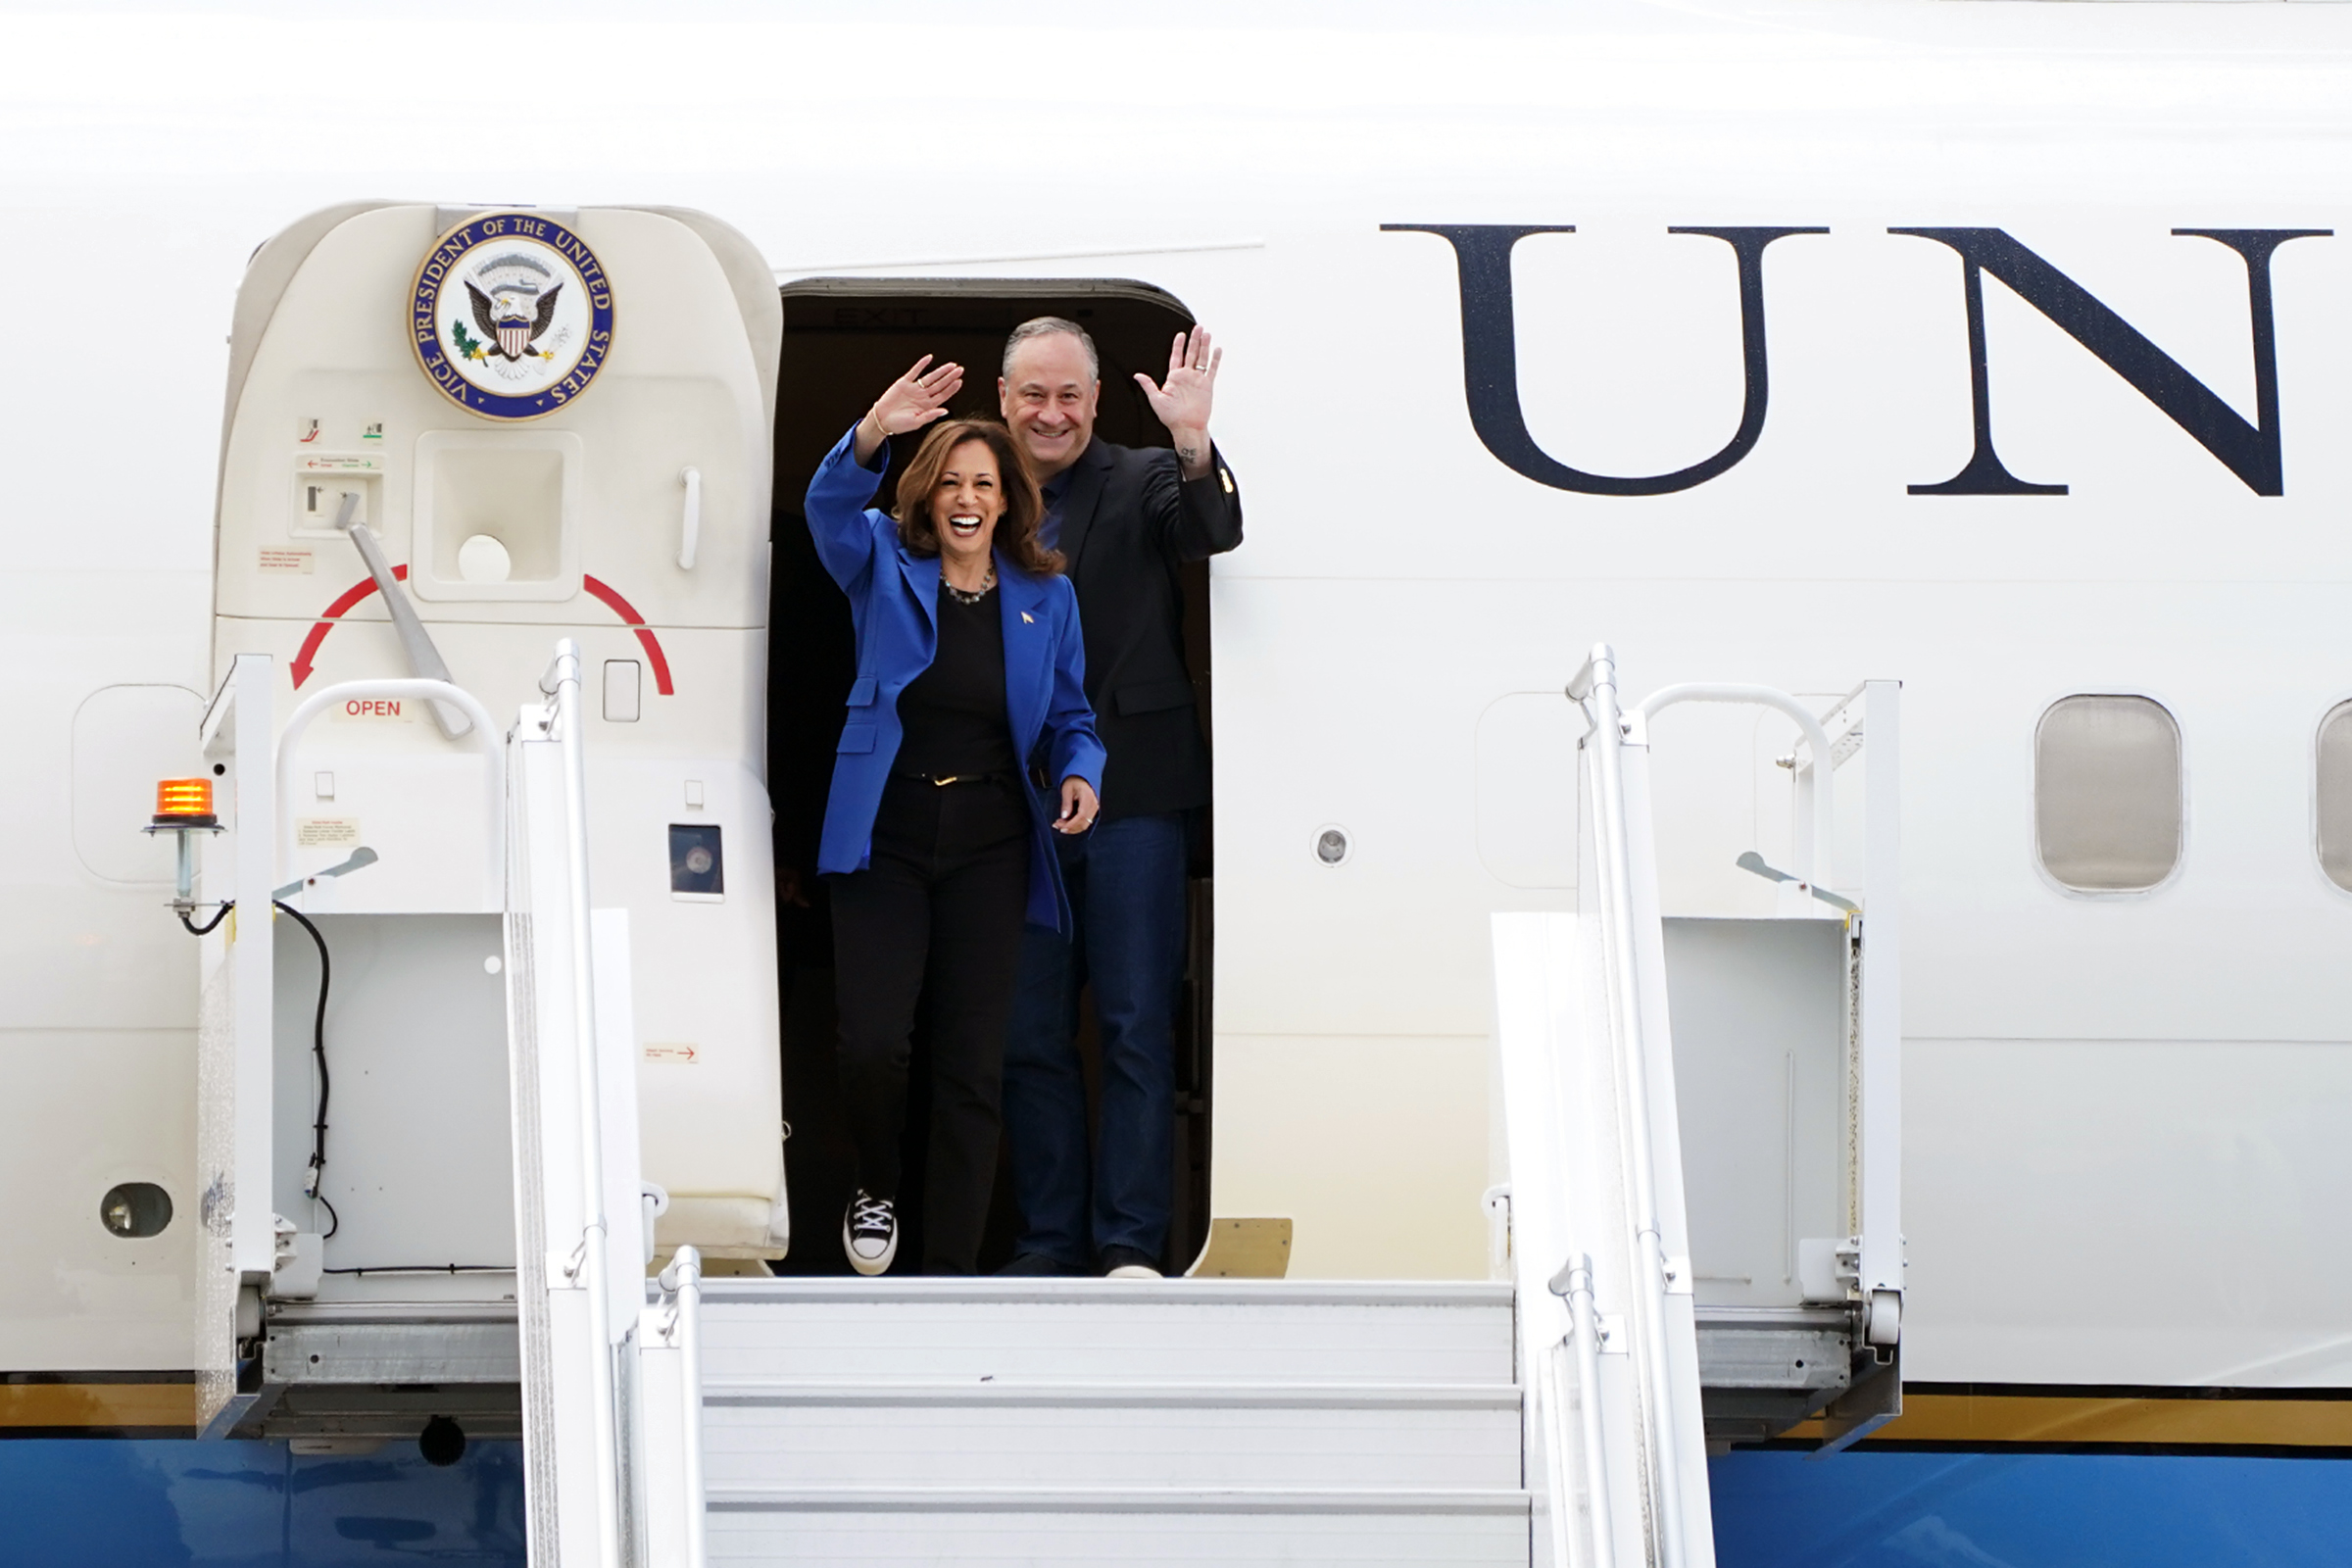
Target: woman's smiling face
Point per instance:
(966, 502)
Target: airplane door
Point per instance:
(503, 427)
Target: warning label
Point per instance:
(317, 832)
(283, 560)
(659, 1051)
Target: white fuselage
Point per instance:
(2123, 1112)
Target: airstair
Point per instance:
(1661, 1299)
(678, 1421)
(1687, 1098)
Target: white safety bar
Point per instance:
(1595, 687)
(484, 736)
(1812, 860)
(1586, 1332)
(562, 684)
(1881, 1016)
(682, 1292)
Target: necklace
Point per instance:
(975, 595)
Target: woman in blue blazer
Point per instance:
(969, 663)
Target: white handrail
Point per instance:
(1587, 1335)
(1595, 687)
(561, 683)
(1813, 867)
(484, 735)
(682, 1285)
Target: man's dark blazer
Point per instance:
(1129, 522)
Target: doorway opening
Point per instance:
(844, 339)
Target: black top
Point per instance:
(952, 714)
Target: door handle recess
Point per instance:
(691, 534)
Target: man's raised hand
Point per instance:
(1183, 401)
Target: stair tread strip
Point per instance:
(720, 1295)
(1120, 1499)
(1131, 1395)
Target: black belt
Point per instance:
(943, 780)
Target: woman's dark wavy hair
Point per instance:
(1025, 507)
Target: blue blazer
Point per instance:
(894, 603)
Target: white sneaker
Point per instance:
(869, 1233)
(1128, 1263)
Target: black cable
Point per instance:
(206, 929)
(426, 1268)
(319, 1049)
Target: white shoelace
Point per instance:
(875, 1216)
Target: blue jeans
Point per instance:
(1126, 888)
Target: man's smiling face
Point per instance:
(1048, 397)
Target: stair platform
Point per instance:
(1065, 1420)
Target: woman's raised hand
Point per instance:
(918, 397)
(910, 403)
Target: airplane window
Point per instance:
(2107, 796)
(2334, 823)
(135, 1209)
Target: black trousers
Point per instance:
(933, 922)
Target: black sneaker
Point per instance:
(869, 1233)
(1128, 1263)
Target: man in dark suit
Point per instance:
(1126, 519)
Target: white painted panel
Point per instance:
(2128, 1211)
(419, 1161)
(86, 1109)
(1527, 782)
(1374, 1145)
(1759, 1075)
(126, 738)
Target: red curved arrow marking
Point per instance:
(326, 623)
(636, 623)
(303, 660)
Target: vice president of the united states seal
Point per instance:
(512, 314)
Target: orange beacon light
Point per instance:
(184, 808)
(184, 802)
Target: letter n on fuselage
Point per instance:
(2249, 451)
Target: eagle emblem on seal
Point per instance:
(513, 305)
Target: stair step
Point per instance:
(1417, 1436)
(1144, 1524)
(1174, 1331)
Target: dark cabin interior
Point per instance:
(844, 339)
